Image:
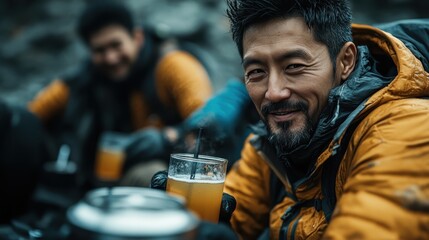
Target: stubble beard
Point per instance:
(281, 136)
(285, 140)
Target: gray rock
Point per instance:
(39, 40)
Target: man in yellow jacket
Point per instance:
(343, 151)
(132, 84)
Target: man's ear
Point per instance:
(138, 36)
(346, 60)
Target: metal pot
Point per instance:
(123, 213)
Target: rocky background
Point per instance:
(38, 41)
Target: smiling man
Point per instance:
(343, 148)
(289, 75)
(131, 84)
(114, 50)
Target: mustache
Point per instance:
(297, 106)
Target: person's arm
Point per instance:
(50, 101)
(5, 116)
(22, 154)
(182, 82)
(386, 192)
(248, 183)
(223, 112)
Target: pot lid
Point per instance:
(132, 212)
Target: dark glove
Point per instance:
(146, 144)
(227, 206)
(159, 180)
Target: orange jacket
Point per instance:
(181, 82)
(382, 185)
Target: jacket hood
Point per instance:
(410, 80)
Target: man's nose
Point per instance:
(111, 57)
(278, 88)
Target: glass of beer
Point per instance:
(199, 180)
(110, 157)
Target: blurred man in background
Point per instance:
(131, 84)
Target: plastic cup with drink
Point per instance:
(110, 157)
(200, 180)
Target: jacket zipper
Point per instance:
(290, 216)
(285, 225)
(295, 225)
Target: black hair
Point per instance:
(329, 20)
(100, 14)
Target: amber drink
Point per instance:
(200, 181)
(110, 157)
(109, 164)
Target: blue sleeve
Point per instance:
(224, 110)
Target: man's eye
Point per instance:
(98, 50)
(115, 44)
(294, 66)
(254, 73)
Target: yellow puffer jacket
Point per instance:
(181, 82)
(382, 184)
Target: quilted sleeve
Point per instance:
(182, 82)
(386, 193)
(50, 101)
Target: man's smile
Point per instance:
(283, 114)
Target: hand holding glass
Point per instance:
(200, 181)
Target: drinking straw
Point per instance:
(197, 150)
